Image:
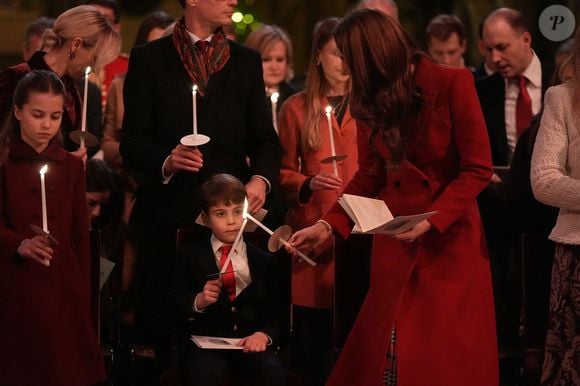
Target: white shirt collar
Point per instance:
(533, 72)
(217, 244)
(196, 38)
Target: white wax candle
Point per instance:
(194, 99)
(85, 98)
(43, 198)
(274, 100)
(331, 136)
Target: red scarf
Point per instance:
(199, 66)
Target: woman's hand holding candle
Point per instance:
(36, 248)
(325, 181)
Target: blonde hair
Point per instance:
(264, 38)
(86, 23)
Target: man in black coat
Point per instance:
(231, 110)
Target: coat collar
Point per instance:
(22, 151)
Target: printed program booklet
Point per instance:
(216, 342)
(372, 216)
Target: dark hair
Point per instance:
(221, 189)
(442, 26)
(379, 55)
(100, 177)
(182, 3)
(39, 81)
(512, 17)
(113, 5)
(37, 28)
(157, 19)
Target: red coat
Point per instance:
(436, 290)
(46, 334)
(313, 286)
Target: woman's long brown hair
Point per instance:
(379, 55)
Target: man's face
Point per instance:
(510, 50)
(217, 13)
(448, 51)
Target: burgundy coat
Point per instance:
(46, 333)
(436, 290)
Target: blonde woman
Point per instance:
(555, 177)
(81, 37)
(311, 188)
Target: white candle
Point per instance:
(43, 198)
(331, 136)
(281, 240)
(274, 100)
(238, 236)
(85, 98)
(194, 101)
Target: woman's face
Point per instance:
(333, 66)
(40, 119)
(83, 58)
(95, 203)
(275, 64)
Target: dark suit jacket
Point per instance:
(491, 92)
(256, 308)
(158, 113)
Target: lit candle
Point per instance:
(281, 240)
(194, 98)
(43, 198)
(85, 97)
(331, 135)
(274, 100)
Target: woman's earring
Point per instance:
(72, 55)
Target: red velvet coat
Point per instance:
(313, 286)
(436, 290)
(46, 336)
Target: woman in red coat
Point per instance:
(311, 188)
(46, 334)
(428, 316)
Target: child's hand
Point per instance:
(36, 248)
(209, 294)
(256, 342)
(81, 152)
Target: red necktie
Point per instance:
(228, 278)
(202, 47)
(524, 112)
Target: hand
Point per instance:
(256, 342)
(209, 295)
(308, 239)
(36, 248)
(495, 179)
(325, 181)
(81, 152)
(410, 235)
(256, 190)
(185, 158)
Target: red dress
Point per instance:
(436, 290)
(46, 335)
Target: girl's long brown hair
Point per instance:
(379, 55)
(316, 85)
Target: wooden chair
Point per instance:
(351, 283)
(537, 257)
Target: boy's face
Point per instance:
(225, 221)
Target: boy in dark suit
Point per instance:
(240, 303)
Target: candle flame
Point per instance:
(88, 70)
(44, 169)
(274, 97)
(194, 88)
(245, 210)
(328, 110)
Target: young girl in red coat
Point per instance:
(46, 333)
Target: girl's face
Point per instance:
(40, 119)
(334, 69)
(275, 64)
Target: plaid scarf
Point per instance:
(201, 66)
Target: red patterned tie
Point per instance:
(228, 278)
(202, 47)
(524, 112)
